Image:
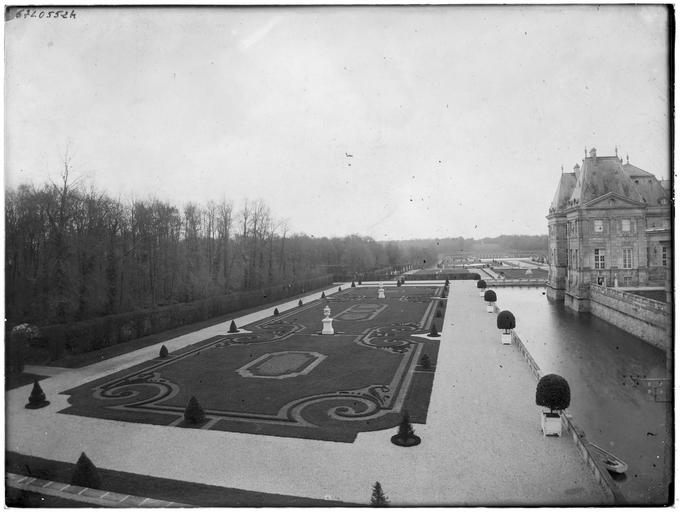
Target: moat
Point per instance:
(603, 365)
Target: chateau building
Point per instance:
(609, 224)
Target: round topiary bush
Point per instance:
(553, 392)
(232, 327)
(481, 284)
(490, 296)
(505, 320)
(37, 398)
(86, 473)
(163, 353)
(194, 412)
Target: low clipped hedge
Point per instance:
(101, 332)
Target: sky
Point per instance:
(390, 122)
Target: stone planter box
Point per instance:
(489, 308)
(551, 424)
(506, 339)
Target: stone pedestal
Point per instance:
(327, 321)
(381, 291)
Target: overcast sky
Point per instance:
(458, 118)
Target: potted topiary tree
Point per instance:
(506, 321)
(490, 298)
(553, 392)
(481, 285)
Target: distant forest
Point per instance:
(74, 253)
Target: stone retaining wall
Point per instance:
(648, 319)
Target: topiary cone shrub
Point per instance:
(405, 436)
(86, 474)
(339, 288)
(323, 295)
(194, 413)
(553, 392)
(37, 398)
(505, 320)
(276, 311)
(425, 362)
(438, 314)
(300, 303)
(447, 282)
(163, 353)
(359, 281)
(232, 327)
(490, 296)
(433, 331)
(353, 285)
(378, 498)
(398, 282)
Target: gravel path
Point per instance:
(482, 444)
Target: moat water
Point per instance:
(603, 365)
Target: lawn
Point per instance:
(281, 377)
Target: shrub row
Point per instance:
(97, 333)
(452, 276)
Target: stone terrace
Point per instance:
(482, 444)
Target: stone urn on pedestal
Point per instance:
(506, 321)
(327, 321)
(381, 291)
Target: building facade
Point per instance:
(609, 224)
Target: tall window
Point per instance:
(664, 256)
(627, 258)
(625, 225)
(599, 259)
(598, 226)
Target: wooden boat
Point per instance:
(610, 461)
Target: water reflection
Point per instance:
(603, 365)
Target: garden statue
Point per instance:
(327, 321)
(381, 291)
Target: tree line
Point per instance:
(74, 253)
